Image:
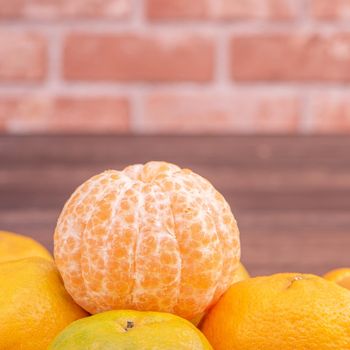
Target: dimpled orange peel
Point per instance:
(152, 237)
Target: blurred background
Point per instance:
(252, 94)
(175, 66)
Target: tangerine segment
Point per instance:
(68, 234)
(198, 243)
(96, 241)
(225, 224)
(152, 237)
(157, 256)
(124, 231)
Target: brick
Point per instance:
(240, 112)
(291, 57)
(330, 112)
(53, 9)
(26, 114)
(330, 10)
(22, 56)
(138, 57)
(222, 9)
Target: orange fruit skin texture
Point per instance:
(34, 306)
(339, 276)
(14, 246)
(127, 329)
(283, 311)
(152, 237)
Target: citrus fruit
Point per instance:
(14, 246)
(34, 306)
(283, 311)
(152, 237)
(124, 330)
(241, 274)
(340, 276)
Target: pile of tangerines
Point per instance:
(148, 258)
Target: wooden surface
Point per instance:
(291, 195)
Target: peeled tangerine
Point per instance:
(152, 237)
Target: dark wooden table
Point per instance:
(291, 195)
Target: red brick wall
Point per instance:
(175, 66)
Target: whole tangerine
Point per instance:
(34, 306)
(284, 311)
(129, 329)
